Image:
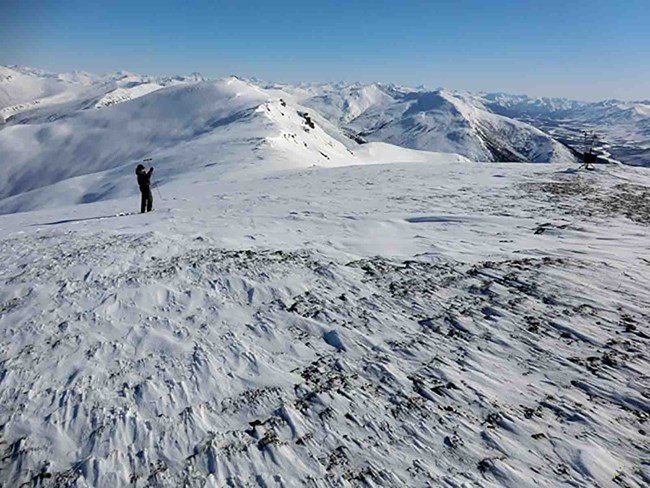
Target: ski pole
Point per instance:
(155, 185)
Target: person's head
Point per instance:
(139, 168)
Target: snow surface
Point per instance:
(429, 324)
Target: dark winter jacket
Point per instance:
(144, 178)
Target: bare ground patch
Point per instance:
(588, 198)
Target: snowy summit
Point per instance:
(338, 285)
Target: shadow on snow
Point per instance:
(67, 221)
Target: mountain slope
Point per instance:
(341, 102)
(48, 146)
(183, 127)
(84, 150)
(450, 122)
(25, 89)
(623, 128)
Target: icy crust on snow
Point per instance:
(392, 325)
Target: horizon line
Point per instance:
(422, 87)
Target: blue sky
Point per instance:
(575, 48)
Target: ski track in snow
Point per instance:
(392, 325)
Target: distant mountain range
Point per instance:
(76, 138)
(439, 120)
(442, 118)
(73, 133)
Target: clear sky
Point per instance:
(575, 48)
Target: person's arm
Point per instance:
(150, 170)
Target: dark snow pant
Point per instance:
(147, 200)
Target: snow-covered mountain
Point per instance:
(622, 127)
(303, 308)
(606, 111)
(524, 106)
(467, 121)
(81, 131)
(431, 120)
(23, 89)
(342, 102)
(83, 149)
(449, 122)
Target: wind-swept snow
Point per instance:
(443, 324)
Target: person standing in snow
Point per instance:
(144, 182)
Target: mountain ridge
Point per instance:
(60, 126)
(78, 151)
(306, 308)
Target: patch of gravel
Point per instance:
(588, 198)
